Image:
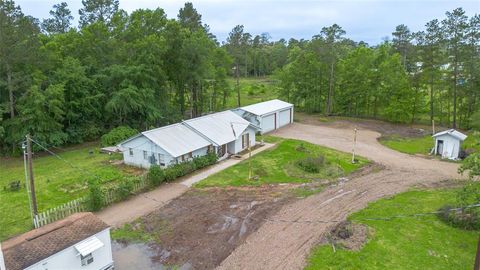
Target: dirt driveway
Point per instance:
(285, 245)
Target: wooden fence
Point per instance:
(110, 196)
(60, 212)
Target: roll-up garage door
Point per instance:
(285, 117)
(268, 123)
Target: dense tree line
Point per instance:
(66, 84)
(432, 74)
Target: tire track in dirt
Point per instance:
(279, 245)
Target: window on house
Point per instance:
(130, 151)
(161, 159)
(190, 155)
(87, 259)
(210, 149)
(183, 158)
(145, 155)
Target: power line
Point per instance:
(82, 170)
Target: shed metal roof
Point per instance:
(453, 133)
(176, 139)
(217, 127)
(266, 107)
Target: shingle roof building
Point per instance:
(31, 247)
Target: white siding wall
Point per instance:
(142, 143)
(68, 259)
(235, 147)
(451, 146)
(139, 145)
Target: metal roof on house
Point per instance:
(31, 247)
(217, 127)
(176, 139)
(453, 133)
(266, 107)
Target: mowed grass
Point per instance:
(404, 243)
(278, 165)
(56, 182)
(252, 90)
(421, 145)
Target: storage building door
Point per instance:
(285, 117)
(268, 123)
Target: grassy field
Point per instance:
(56, 182)
(412, 146)
(404, 243)
(279, 165)
(252, 90)
(423, 145)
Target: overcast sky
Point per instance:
(367, 20)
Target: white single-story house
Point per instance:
(269, 115)
(164, 146)
(223, 133)
(80, 241)
(228, 132)
(448, 143)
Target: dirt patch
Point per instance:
(202, 227)
(347, 235)
(382, 127)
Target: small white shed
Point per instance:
(269, 115)
(448, 143)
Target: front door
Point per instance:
(222, 150)
(439, 147)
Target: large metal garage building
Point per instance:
(269, 115)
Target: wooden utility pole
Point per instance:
(237, 73)
(30, 173)
(477, 259)
(433, 127)
(249, 160)
(354, 143)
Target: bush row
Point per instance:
(155, 176)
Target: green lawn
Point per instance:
(56, 182)
(421, 145)
(278, 165)
(252, 90)
(405, 243)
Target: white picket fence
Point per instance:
(60, 212)
(79, 205)
(111, 195)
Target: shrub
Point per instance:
(471, 164)
(117, 135)
(125, 188)
(301, 148)
(467, 217)
(184, 168)
(155, 175)
(95, 195)
(14, 185)
(311, 164)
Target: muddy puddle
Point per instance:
(140, 256)
(199, 229)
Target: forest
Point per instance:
(67, 84)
